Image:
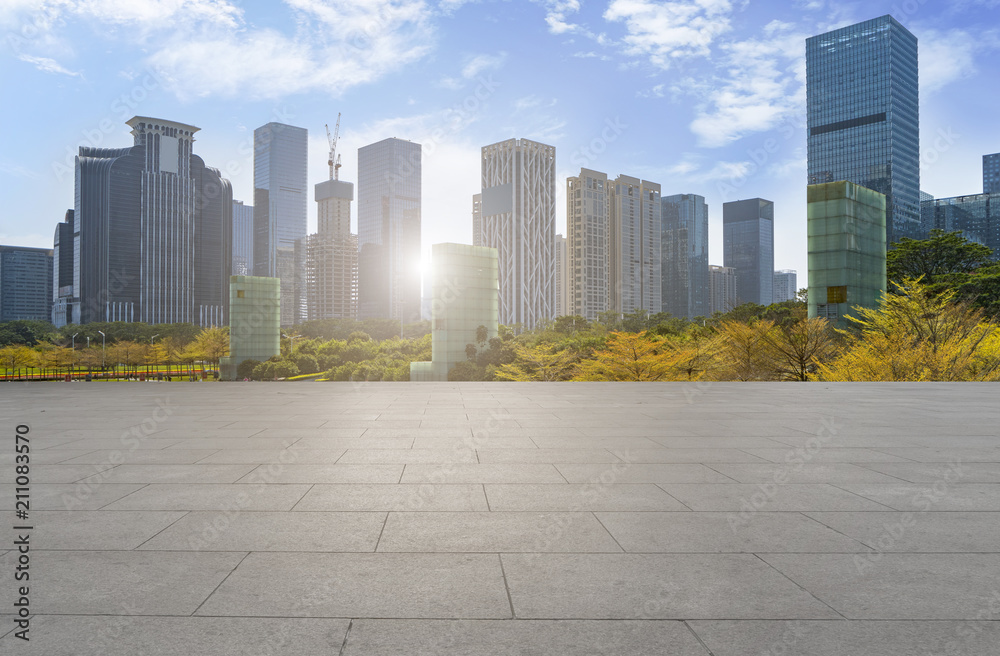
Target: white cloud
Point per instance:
(481, 63)
(664, 31)
(48, 65)
(655, 92)
(949, 56)
(591, 55)
(557, 14)
(206, 47)
(763, 85)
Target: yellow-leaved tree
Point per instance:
(916, 334)
(541, 362)
(210, 345)
(634, 356)
(742, 352)
(794, 351)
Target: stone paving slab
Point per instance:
(507, 518)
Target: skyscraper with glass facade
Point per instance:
(991, 174)
(976, 216)
(151, 232)
(519, 220)
(242, 239)
(280, 206)
(25, 283)
(846, 249)
(748, 247)
(684, 245)
(254, 322)
(389, 188)
(863, 118)
(465, 295)
(588, 244)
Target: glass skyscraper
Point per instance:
(991, 174)
(151, 233)
(242, 239)
(863, 118)
(389, 187)
(684, 246)
(748, 247)
(280, 206)
(976, 216)
(25, 283)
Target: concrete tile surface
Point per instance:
(507, 518)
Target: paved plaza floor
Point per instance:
(340, 519)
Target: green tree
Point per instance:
(941, 255)
(795, 350)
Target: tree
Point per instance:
(741, 350)
(918, 334)
(794, 351)
(631, 356)
(15, 358)
(542, 362)
(941, 254)
(212, 344)
(245, 369)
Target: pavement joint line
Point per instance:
(347, 634)
(385, 521)
(510, 600)
(141, 487)
(690, 509)
(709, 466)
(796, 583)
(183, 515)
(698, 638)
(224, 579)
(866, 498)
(610, 534)
(487, 497)
(806, 514)
(304, 494)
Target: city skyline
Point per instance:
(662, 116)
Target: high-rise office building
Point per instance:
(519, 220)
(151, 232)
(562, 277)
(991, 174)
(722, 289)
(465, 295)
(748, 247)
(477, 219)
(846, 249)
(785, 288)
(332, 255)
(242, 239)
(976, 216)
(588, 244)
(634, 266)
(389, 184)
(64, 303)
(280, 206)
(25, 283)
(684, 246)
(863, 118)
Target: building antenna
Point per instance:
(334, 160)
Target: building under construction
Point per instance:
(332, 253)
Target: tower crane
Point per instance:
(334, 160)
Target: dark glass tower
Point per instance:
(151, 231)
(280, 206)
(684, 245)
(991, 174)
(25, 283)
(861, 95)
(748, 247)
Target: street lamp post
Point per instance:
(104, 350)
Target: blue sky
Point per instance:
(702, 96)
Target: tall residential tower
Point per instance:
(634, 272)
(587, 244)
